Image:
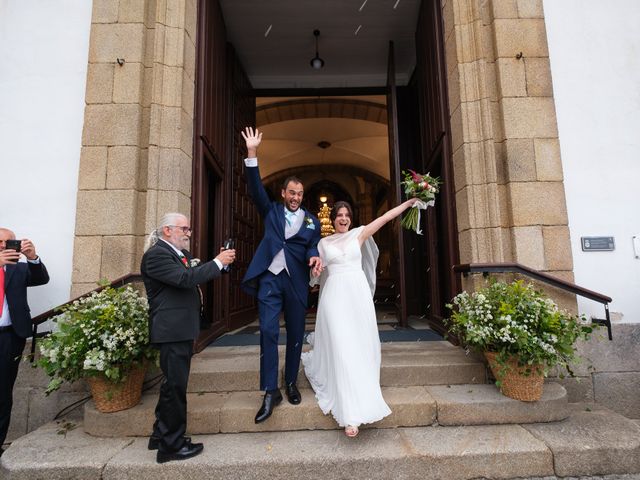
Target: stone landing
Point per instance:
(591, 442)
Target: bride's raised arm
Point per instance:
(377, 224)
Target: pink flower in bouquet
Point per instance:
(416, 176)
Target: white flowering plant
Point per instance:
(105, 333)
(517, 322)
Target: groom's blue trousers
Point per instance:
(275, 295)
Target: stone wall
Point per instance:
(508, 175)
(32, 408)
(135, 163)
(610, 371)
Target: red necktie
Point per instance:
(1, 289)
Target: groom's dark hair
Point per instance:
(290, 179)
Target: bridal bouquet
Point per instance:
(424, 187)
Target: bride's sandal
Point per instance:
(351, 431)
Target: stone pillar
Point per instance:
(136, 154)
(506, 155)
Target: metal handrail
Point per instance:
(487, 268)
(49, 314)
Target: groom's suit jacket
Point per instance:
(298, 249)
(172, 292)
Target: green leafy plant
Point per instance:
(518, 322)
(105, 333)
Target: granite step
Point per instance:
(228, 369)
(591, 443)
(412, 406)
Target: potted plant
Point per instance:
(103, 338)
(521, 332)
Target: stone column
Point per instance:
(508, 174)
(136, 154)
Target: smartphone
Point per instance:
(13, 245)
(228, 244)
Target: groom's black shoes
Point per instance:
(272, 398)
(293, 394)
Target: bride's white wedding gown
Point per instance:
(344, 365)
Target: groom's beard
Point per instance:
(291, 208)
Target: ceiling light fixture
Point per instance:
(316, 62)
(323, 144)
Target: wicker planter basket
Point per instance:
(113, 397)
(514, 381)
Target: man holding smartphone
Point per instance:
(15, 318)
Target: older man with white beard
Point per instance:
(174, 323)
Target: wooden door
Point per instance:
(219, 210)
(244, 218)
(441, 233)
(396, 191)
(210, 151)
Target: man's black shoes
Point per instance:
(188, 450)
(154, 442)
(293, 394)
(272, 398)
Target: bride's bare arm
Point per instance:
(377, 224)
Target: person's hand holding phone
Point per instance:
(28, 249)
(227, 253)
(11, 252)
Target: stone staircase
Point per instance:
(423, 382)
(446, 423)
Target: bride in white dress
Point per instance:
(344, 365)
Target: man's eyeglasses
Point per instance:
(185, 230)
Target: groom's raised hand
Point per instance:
(252, 140)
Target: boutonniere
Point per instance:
(310, 223)
(194, 262)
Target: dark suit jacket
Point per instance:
(16, 280)
(172, 291)
(298, 249)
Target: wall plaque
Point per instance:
(597, 244)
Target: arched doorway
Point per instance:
(402, 97)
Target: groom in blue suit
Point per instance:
(279, 276)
